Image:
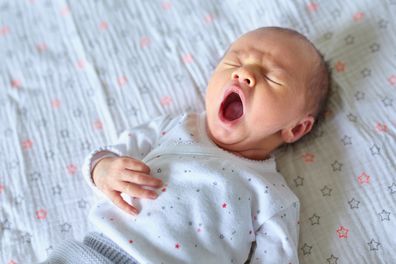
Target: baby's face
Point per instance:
(256, 95)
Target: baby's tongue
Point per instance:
(233, 111)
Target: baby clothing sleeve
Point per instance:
(277, 238)
(135, 143)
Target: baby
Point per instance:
(203, 187)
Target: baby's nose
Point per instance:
(243, 75)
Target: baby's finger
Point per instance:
(135, 165)
(134, 190)
(116, 198)
(141, 179)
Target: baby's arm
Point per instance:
(277, 239)
(116, 169)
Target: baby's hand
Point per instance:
(116, 175)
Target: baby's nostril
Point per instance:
(236, 76)
(248, 81)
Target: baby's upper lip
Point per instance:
(235, 87)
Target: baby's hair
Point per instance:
(318, 86)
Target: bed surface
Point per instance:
(74, 74)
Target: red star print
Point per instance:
(55, 103)
(312, 7)
(98, 124)
(166, 5)
(309, 157)
(103, 25)
(166, 100)
(363, 178)
(342, 232)
(340, 66)
(392, 79)
(144, 41)
(41, 47)
(12, 262)
(208, 19)
(27, 144)
(41, 214)
(187, 58)
(4, 30)
(224, 205)
(71, 168)
(15, 83)
(122, 80)
(81, 64)
(1, 188)
(177, 245)
(65, 11)
(358, 16)
(381, 127)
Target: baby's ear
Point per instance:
(292, 134)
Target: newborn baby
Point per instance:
(203, 187)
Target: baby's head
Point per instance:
(267, 90)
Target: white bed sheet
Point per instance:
(76, 73)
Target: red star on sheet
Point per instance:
(392, 80)
(81, 64)
(166, 100)
(71, 168)
(103, 25)
(12, 262)
(381, 127)
(342, 232)
(208, 19)
(187, 58)
(65, 11)
(224, 205)
(27, 144)
(41, 47)
(358, 16)
(340, 66)
(98, 124)
(1, 188)
(15, 83)
(177, 245)
(4, 30)
(363, 178)
(144, 41)
(122, 80)
(309, 157)
(312, 7)
(55, 103)
(41, 214)
(166, 5)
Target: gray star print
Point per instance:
(306, 249)
(384, 215)
(373, 245)
(375, 150)
(392, 188)
(336, 166)
(299, 181)
(314, 219)
(353, 203)
(346, 140)
(326, 191)
(332, 259)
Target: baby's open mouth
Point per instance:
(232, 107)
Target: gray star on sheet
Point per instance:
(365, 72)
(375, 150)
(18, 199)
(132, 110)
(299, 181)
(49, 154)
(383, 23)
(306, 249)
(77, 112)
(387, 101)
(314, 219)
(34, 176)
(56, 189)
(392, 188)
(85, 145)
(26, 238)
(352, 117)
(41, 122)
(179, 77)
(346, 140)
(326, 191)
(5, 225)
(64, 133)
(384, 215)
(65, 227)
(373, 245)
(353, 203)
(49, 250)
(332, 259)
(359, 95)
(336, 13)
(336, 165)
(14, 164)
(143, 89)
(349, 40)
(375, 47)
(110, 101)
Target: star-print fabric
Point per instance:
(212, 206)
(75, 74)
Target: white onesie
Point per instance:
(213, 204)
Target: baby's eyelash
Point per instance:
(231, 64)
(266, 77)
